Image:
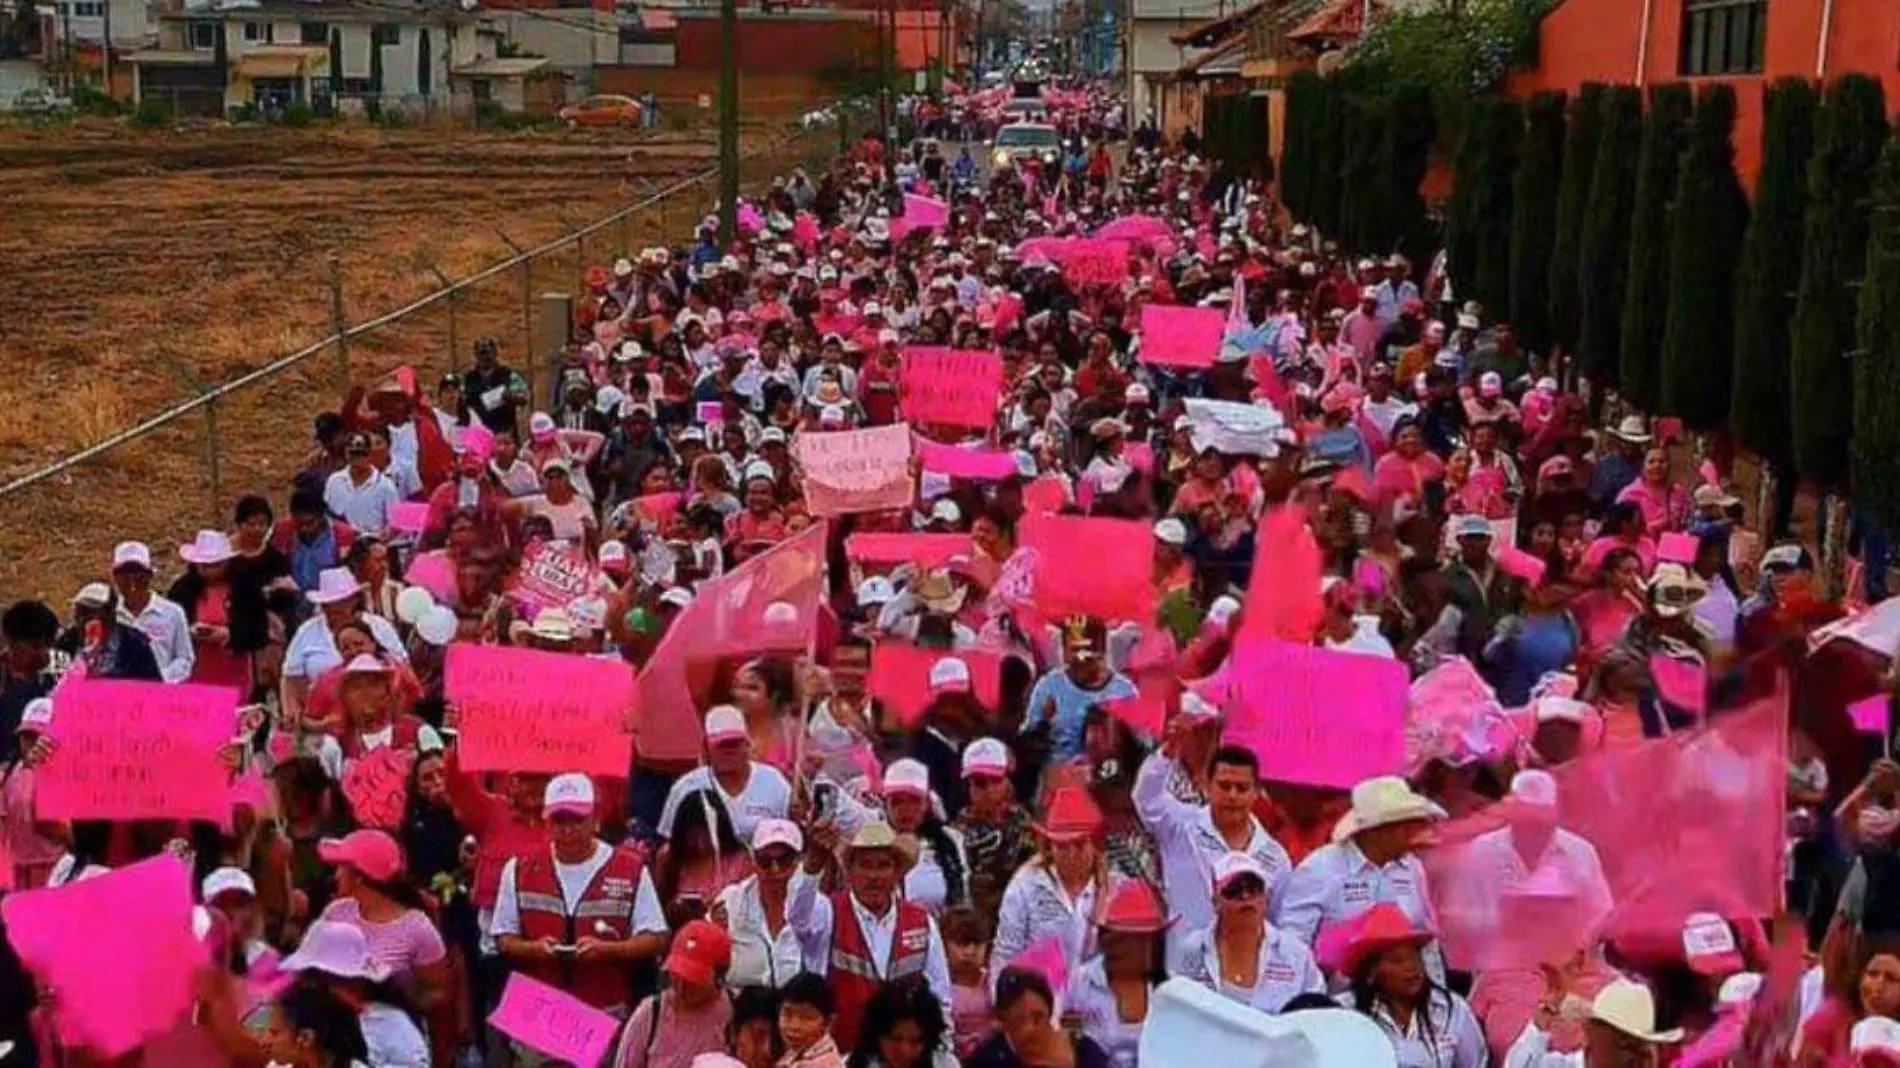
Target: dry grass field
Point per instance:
(133, 264)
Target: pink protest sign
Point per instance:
(115, 953)
(925, 550)
(1677, 547)
(1095, 262)
(900, 677)
(1318, 717)
(709, 412)
(982, 465)
(1520, 564)
(1869, 714)
(377, 787)
(1046, 494)
(526, 710)
(1683, 683)
(553, 1022)
(139, 750)
(1092, 566)
(855, 470)
(1175, 336)
(409, 517)
(553, 576)
(1141, 456)
(952, 387)
(1283, 599)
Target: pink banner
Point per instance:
(553, 1022)
(554, 576)
(1283, 598)
(1687, 823)
(1092, 566)
(951, 387)
(138, 750)
(1677, 547)
(1174, 336)
(658, 508)
(1152, 668)
(1683, 683)
(982, 465)
(1869, 714)
(1315, 716)
(114, 953)
(855, 470)
(1156, 233)
(1520, 564)
(409, 517)
(1046, 494)
(900, 677)
(377, 787)
(769, 603)
(920, 213)
(925, 550)
(1091, 262)
(527, 710)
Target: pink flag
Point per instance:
(1092, 567)
(1520, 564)
(900, 677)
(1315, 716)
(982, 465)
(769, 603)
(1710, 476)
(1176, 336)
(1152, 668)
(377, 787)
(1283, 596)
(659, 508)
(138, 750)
(1146, 229)
(528, 710)
(1683, 683)
(1677, 547)
(116, 952)
(409, 517)
(709, 412)
(553, 575)
(1869, 714)
(1046, 494)
(925, 550)
(951, 387)
(853, 471)
(553, 1022)
(478, 441)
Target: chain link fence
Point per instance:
(182, 469)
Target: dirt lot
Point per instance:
(137, 263)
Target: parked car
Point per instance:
(41, 101)
(604, 110)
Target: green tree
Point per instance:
(1851, 127)
(1296, 149)
(1467, 189)
(1329, 150)
(1581, 138)
(1604, 244)
(1767, 275)
(1705, 244)
(1646, 295)
(1534, 217)
(1411, 129)
(1504, 133)
(1876, 445)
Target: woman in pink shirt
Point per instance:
(33, 854)
(1664, 506)
(1405, 470)
(372, 897)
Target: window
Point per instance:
(88, 9)
(387, 33)
(356, 87)
(313, 33)
(203, 35)
(1723, 36)
(258, 32)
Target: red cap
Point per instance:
(1072, 815)
(1382, 928)
(373, 853)
(700, 950)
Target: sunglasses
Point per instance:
(775, 859)
(1243, 888)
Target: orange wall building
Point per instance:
(1747, 43)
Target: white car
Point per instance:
(1025, 140)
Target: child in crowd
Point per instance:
(966, 943)
(805, 1010)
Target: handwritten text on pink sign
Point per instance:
(525, 710)
(951, 387)
(138, 750)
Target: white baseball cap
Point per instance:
(986, 756)
(132, 554)
(1171, 531)
(38, 714)
(1196, 707)
(776, 832)
(613, 553)
(226, 881)
(572, 792)
(946, 511)
(677, 596)
(1234, 865)
(949, 675)
(1534, 787)
(876, 590)
(725, 724)
(907, 776)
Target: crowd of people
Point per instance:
(1067, 810)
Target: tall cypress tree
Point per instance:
(1468, 189)
(1534, 217)
(1848, 137)
(1876, 447)
(1767, 275)
(1705, 243)
(1646, 295)
(1412, 129)
(1603, 247)
(1573, 194)
(1328, 148)
(1296, 150)
(1504, 132)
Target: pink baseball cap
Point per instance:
(725, 724)
(572, 793)
(949, 675)
(776, 832)
(373, 853)
(907, 776)
(985, 756)
(1709, 945)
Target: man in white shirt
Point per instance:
(1192, 838)
(576, 916)
(1369, 862)
(359, 494)
(1382, 406)
(159, 619)
(750, 790)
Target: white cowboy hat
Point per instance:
(1630, 1008)
(1190, 1026)
(209, 547)
(335, 584)
(1632, 429)
(1382, 802)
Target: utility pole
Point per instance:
(728, 121)
(105, 45)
